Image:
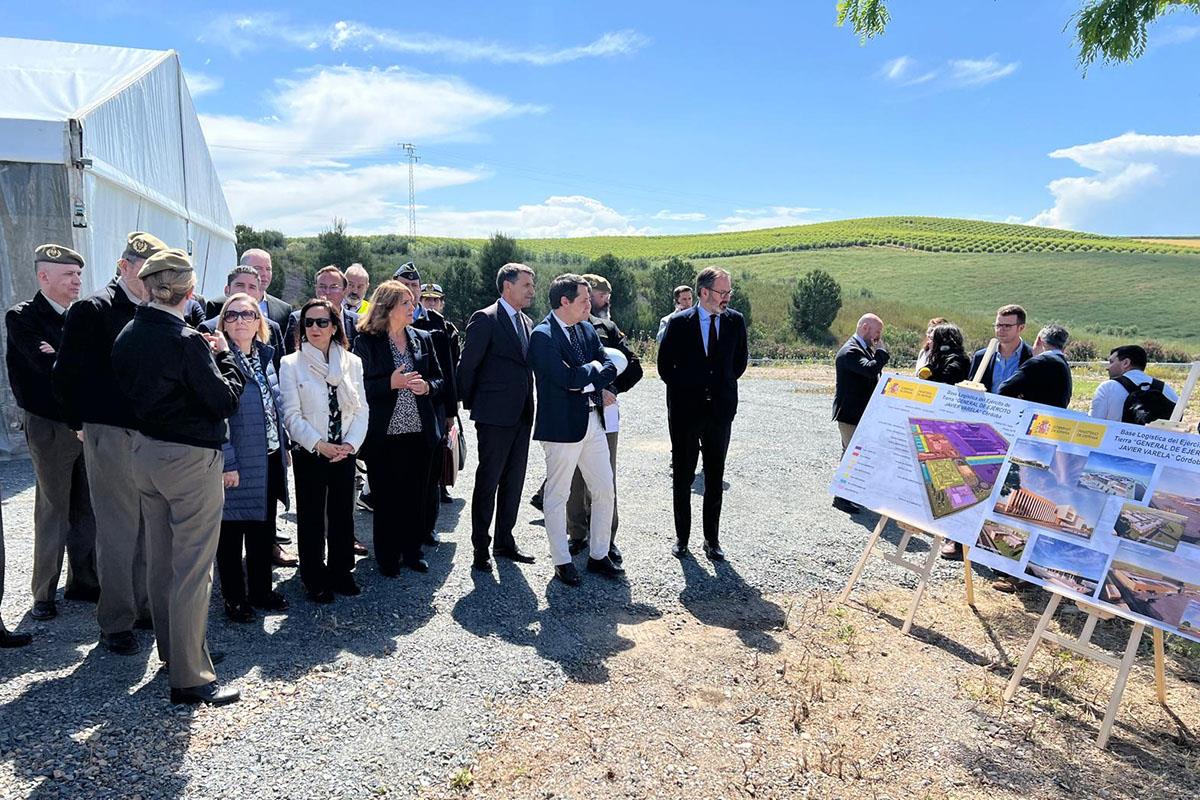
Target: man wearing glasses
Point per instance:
(329, 283)
(702, 355)
(1013, 352)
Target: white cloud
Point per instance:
(242, 32)
(199, 83)
(976, 72)
(681, 216)
(1142, 184)
(897, 68)
(1180, 34)
(557, 216)
(748, 219)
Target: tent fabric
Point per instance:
(95, 142)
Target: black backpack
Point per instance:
(1146, 402)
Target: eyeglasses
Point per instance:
(1002, 325)
(723, 295)
(330, 287)
(234, 316)
(320, 322)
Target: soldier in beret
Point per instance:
(434, 299)
(182, 386)
(62, 512)
(95, 405)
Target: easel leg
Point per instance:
(922, 581)
(1031, 648)
(968, 577)
(1160, 673)
(1119, 687)
(862, 561)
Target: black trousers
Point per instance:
(258, 539)
(503, 453)
(689, 434)
(433, 492)
(324, 516)
(400, 470)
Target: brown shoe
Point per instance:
(360, 549)
(282, 559)
(952, 551)
(1006, 584)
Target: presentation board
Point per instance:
(1093, 509)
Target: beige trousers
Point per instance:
(182, 499)
(590, 455)
(62, 510)
(120, 534)
(847, 432)
(579, 504)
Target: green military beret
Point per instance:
(56, 254)
(163, 260)
(142, 245)
(598, 283)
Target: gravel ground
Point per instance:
(393, 690)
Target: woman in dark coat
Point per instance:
(403, 380)
(255, 476)
(947, 361)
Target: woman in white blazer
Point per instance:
(325, 413)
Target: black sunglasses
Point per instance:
(234, 316)
(320, 322)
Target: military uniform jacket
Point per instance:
(178, 388)
(446, 350)
(611, 336)
(29, 324)
(83, 373)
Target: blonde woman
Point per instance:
(255, 476)
(326, 418)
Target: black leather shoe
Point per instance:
(568, 574)
(416, 564)
(123, 643)
(210, 693)
(44, 610)
(431, 539)
(281, 559)
(536, 501)
(446, 498)
(239, 612)
(365, 502)
(482, 563)
(604, 566)
(345, 586)
(841, 504)
(679, 549)
(144, 624)
(323, 596)
(272, 601)
(577, 546)
(512, 554)
(282, 539)
(714, 552)
(13, 639)
(82, 595)
(614, 555)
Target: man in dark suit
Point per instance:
(330, 284)
(572, 370)
(426, 319)
(245, 280)
(1012, 353)
(702, 355)
(495, 383)
(62, 510)
(1046, 377)
(276, 310)
(857, 365)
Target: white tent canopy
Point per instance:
(96, 142)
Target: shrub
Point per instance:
(815, 303)
(1080, 350)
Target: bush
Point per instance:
(1080, 350)
(815, 304)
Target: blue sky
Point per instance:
(556, 118)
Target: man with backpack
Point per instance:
(1130, 395)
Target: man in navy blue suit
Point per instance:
(702, 355)
(572, 370)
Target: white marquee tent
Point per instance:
(96, 142)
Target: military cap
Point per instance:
(142, 245)
(56, 254)
(598, 283)
(163, 260)
(432, 290)
(407, 272)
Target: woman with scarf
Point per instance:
(403, 381)
(255, 466)
(326, 419)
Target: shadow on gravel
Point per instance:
(82, 735)
(16, 475)
(725, 600)
(577, 630)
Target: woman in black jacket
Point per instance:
(403, 380)
(947, 361)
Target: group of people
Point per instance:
(162, 427)
(1039, 374)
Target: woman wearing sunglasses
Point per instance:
(255, 466)
(325, 414)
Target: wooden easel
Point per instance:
(1082, 645)
(922, 569)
